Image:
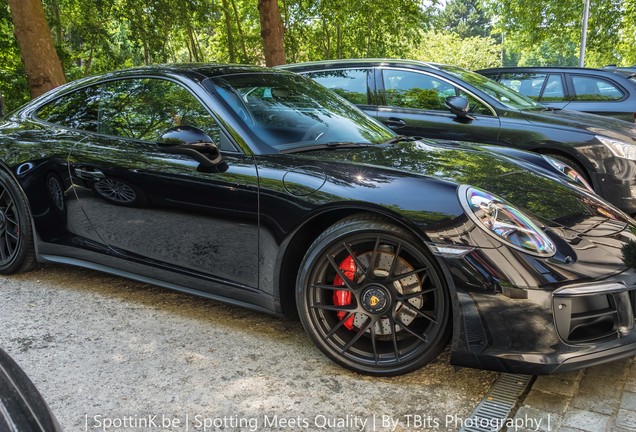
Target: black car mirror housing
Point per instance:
(195, 143)
(459, 106)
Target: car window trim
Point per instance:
(382, 89)
(31, 114)
(371, 90)
(549, 75)
(599, 77)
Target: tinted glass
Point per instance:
(143, 109)
(75, 110)
(351, 84)
(287, 111)
(588, 88)
(501, 93)
(528, 84)
(416, 90)
(553, 90)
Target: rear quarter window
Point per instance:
(351, 84)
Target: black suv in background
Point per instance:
(597, 91)
(425, 99)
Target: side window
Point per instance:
(415, 90)
(476, 106)
(553, 90)
(76, 110)
(144, 108)
(351, 84)
(588, 88)
(528, 84)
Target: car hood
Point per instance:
(554, 203)
(592, 123)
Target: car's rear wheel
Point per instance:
(17, 252)
(372, 298)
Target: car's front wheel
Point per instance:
(372, 298)
(17, 252)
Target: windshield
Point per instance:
(503, 94)
(287, 111)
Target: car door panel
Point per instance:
(146, 204)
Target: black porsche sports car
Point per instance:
(260, 188)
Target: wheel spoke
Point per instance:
(376, 357)
(350, 284)
(374, 256)
(358, 335)
(394, 337)
(355, 258)
(407, 274)
(10, 247)
(339, 325)
(12, 235)
(346, 308)
(331, 287)
(3, 254)
(404, 327)
(396, 258)
(419, 312)
(416, 294)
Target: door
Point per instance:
(414, 105)
(154, 207)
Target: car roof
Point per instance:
(324, 64)
(547, 69)
(193, 70)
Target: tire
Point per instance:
(17, 252)
(572, 163)
(396, 315)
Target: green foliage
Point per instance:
(548, 32)
(13, 83)
(466, 18)
(450, 48)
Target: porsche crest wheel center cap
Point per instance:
(375, 299)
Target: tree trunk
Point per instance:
(41, 63)
(271, 32)
(240, 32)
(228, 29)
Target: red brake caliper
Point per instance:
(342, 297)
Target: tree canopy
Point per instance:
(93, 36)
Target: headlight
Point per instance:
(506, 223)
(570, 172)
(618, 148)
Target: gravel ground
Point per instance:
(112, 354)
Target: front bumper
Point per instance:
(555, 328)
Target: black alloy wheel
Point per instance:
(17, 252)
(371, 297)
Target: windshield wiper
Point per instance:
(324, 146)
(399, 138)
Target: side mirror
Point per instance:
(195, 143)
(459, 106)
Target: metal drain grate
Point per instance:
(496, 406)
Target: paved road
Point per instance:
(106, 352)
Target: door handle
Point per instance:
(395, 123)
(89, 174)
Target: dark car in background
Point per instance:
(425, 99)
(597, 91)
